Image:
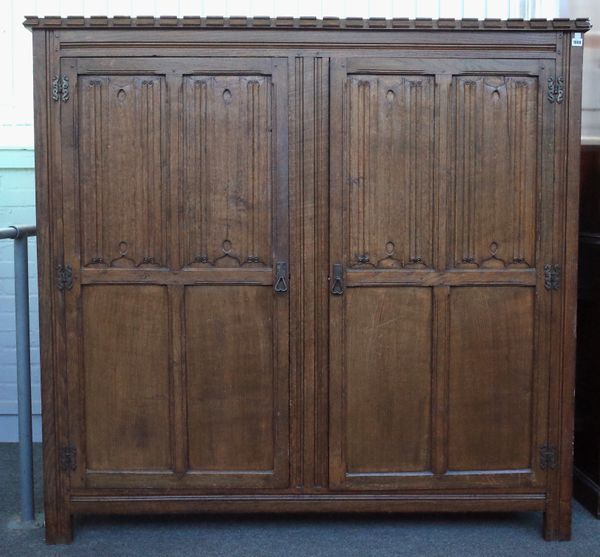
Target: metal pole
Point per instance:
(23, 375)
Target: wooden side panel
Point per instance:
(231, 378)
(496, 171)
(490, 400)
(123, 201)
(390, 171)
(227, 170)
(127, 386)
(387, 379)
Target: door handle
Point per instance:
(337, 286)
(281, 276)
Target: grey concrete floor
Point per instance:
(443, 535)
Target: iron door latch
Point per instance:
(337, 286)
(281, 276)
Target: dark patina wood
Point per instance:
(316, 265)
(587, 411)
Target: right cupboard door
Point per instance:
(441, 211)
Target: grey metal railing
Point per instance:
(20, 234)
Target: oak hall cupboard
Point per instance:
(307, 265)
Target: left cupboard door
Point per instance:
(174, 215)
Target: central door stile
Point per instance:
(309, 194)
(176, 293)
(322, 148)
(443, 176)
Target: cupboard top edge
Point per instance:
(327, 23)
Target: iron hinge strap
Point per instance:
(68, 458)
(548, 460)
(551, 276)
(60, 88)
(556, 89)
(64, 277)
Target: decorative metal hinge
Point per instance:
(548, 457)
(556, 89)
(68, 458)
(551, 276)
(60, 88)
(64, 279)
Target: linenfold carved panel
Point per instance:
(389, 155)
(122, 200)
(495, 170)
(227, 170)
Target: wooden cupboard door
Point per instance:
(175, 199)
(500, 217)
(439, 230)
(382, 155)
(233, 230)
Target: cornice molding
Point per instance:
(351, 23)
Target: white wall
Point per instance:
(16, 115)
(590, 118)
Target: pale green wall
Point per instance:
(17, 206)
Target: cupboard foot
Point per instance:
(59, 528)
(557, 523)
